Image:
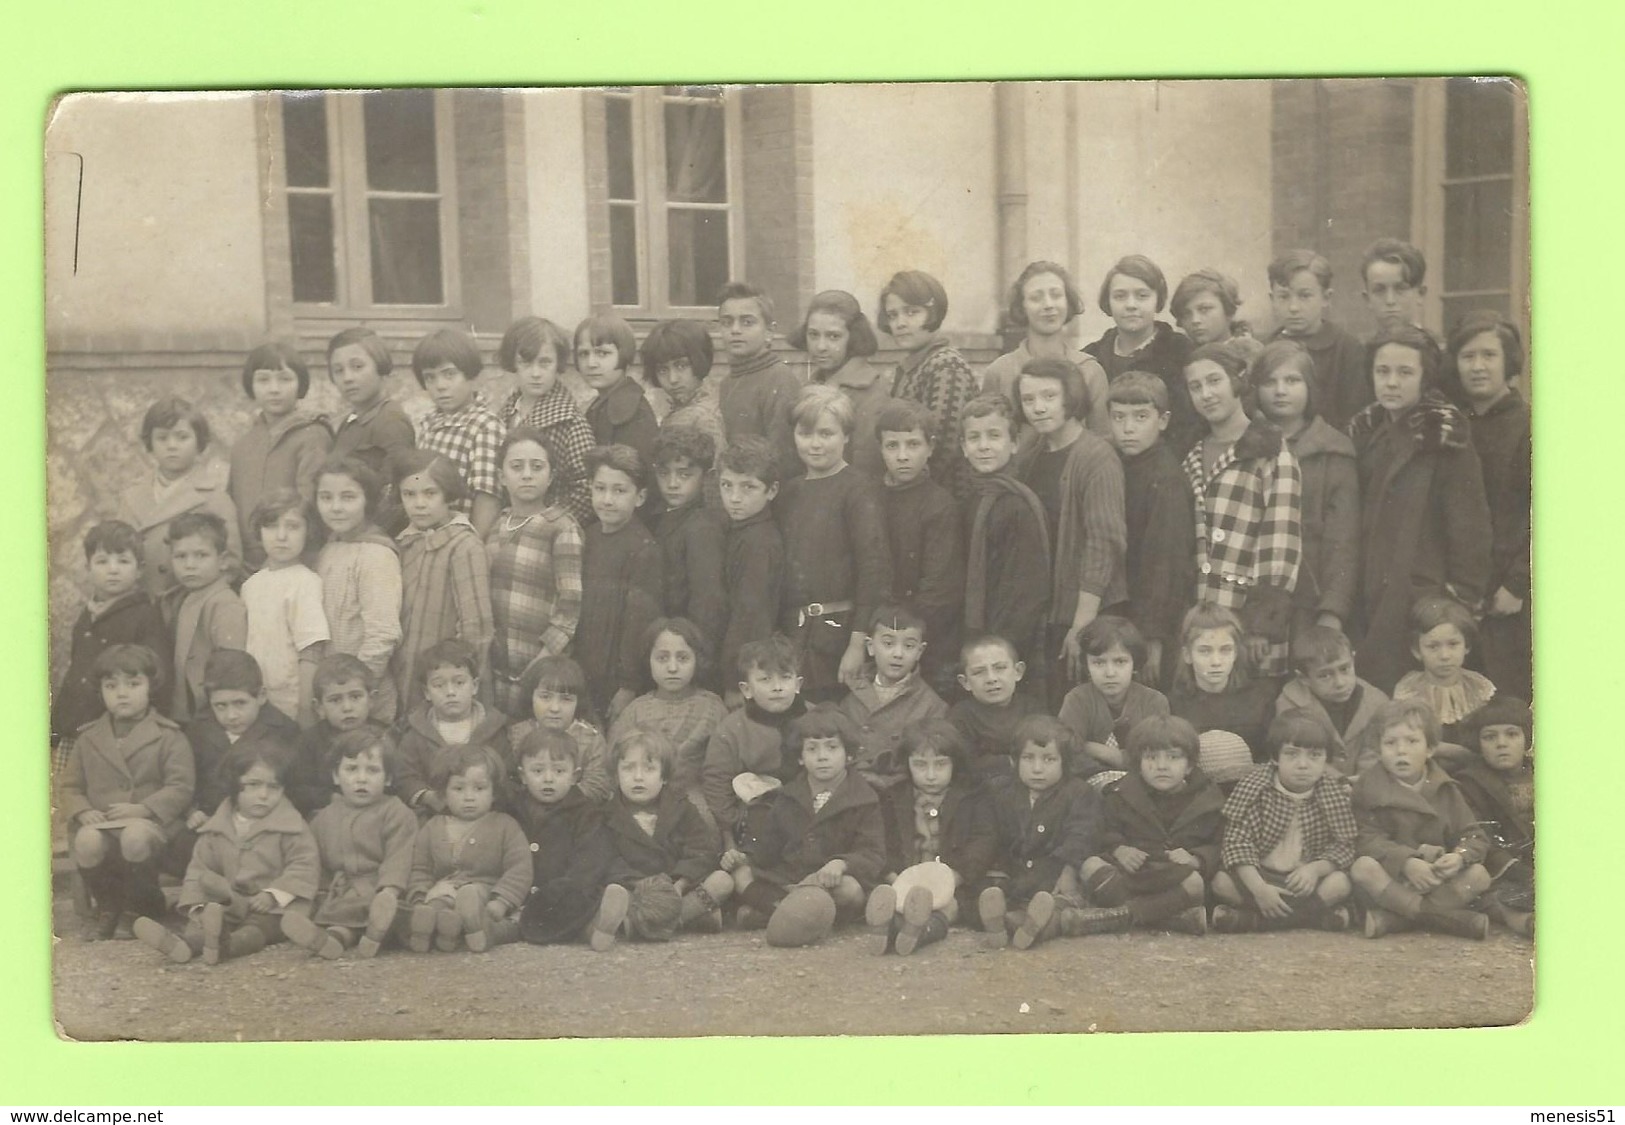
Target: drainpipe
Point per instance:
(1010, 128)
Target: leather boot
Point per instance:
(1080, 921)
(1457, 923)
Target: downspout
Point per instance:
(1010, 129)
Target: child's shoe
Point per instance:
(1036, 921)
(1468, 924)
(611, 913)
(448, 931)
(1081, 921)
(916, 913)
(476, 922)
(420, 932)
(749, 918)
(380, 917)
(308, 935)
(990, 909)
(124, 928)
(1192, 920)
(212, 918)
(1234, 920)
(880, 912)
(163, 939)
(1334, 920)
(1380, 922)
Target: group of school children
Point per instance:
(735, 650)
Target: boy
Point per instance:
(1499, 787)
(343, 688)
(205, 611)
(692, 536)
(620, 414)
(460, 427)
(753, 554)
(1421, 849)
(448, 675)
(746, 757)
(1393, 272)
(1007, 560)
(237, 714)
(1160, 517)
(1289, 835)
(620, 580)
(1300, 295)
(285, 444)
(570, 846)
(923, 528)
(896, 700)
(372, 427)
(988, 719)
(757, 393)
(1327, 687)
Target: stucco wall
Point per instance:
(557, 194)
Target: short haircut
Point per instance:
(752, 456)
(560, 472)
(918, 288)
(1418, 340)
(680, 627)
(1205, 280)
(817, 399)
(115, 537)
(204, 525)
(525, 339)
(169, 412)
(621, 458)
(644, 740)
(1299, 726)
(274, 754)
(1484, 320)
(369, 342)
(1045, 730)
(987, 640)
(775, 656)
(278, 503)
(1106, 632)
(1414, 711)
(1398, 252)
(274, 355)
(1432, 610)
(1161, 732)
(1074, 391)
(354, 743)
(860, 334)
(741, 291)
(232, 669)
(545, 742)
(1229, 355)
(1199, 619)
(1318, 646)
(1501, 710)
(1138, 388)
(443, 346)
(938, 736)
(1141, 268)
(822, 720)
(340, 668)
(1284, 352)
(1284, 268)
(560, 675)
(1015, 305)
(606, 328)
(896, 615)
(684, 441)
(372, 485)
(678, 339)
(903, 415)
(446, 653)
(454, 761)
(130, 660)
(437, 467)
(987, 405)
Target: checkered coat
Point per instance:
(1257, 814)
(470, 439)
(561, 421)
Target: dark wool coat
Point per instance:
(495, 855)
(418, 741)
(1013, 548)
(968, 837)
(1511, 834)
(1501, 437)
(622, 416)
(620, 598)
(991, 733)
(1160, 516)
(1342, 386)
(692, 550)
(131, 619)
(928, 560)
(1331, 520)
(1396, 820)
(748, 740)
(1164, 356)
(1245, 713)
(1036, 842)
(276, 853)
(310, 781)
(683, 845)
(753, 587)
(571, 852)
(211, 745)
(1131, 818)
(796, 841)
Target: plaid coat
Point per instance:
(535, 597)
(938, 377)
(1256, 816)
(469, 439)
(1249, 534)
(561, 421)
(445, 592)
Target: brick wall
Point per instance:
(485, 242)
(776, 150)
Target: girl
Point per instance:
(1284, 374)
(287, 626)
(912, 307)
(374, 428)
(360, 574)
(534, 550)
(839, 340)
(1078, 479)
(1248, 494)
(556, 688)
(1044, 301)
(837, 562)
(365, 839)
(1204, 305)
(1443, 633)
(677, 357)
(445, 578)
(1133, 292)
(1424, 522)
(1213, 692)
(678, 710)
(285, 444)
(254, 862)
(470, 866)
(1103, 711)
(620, 415)
(620, 579)
(535, 351)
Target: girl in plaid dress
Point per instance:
(912, 307)
(535, 350)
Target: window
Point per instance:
(368, 179)
(671, 176)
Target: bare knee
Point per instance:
(139, 842)
(848, 893)
(1225, 889)
(1334, 888)
(1090, 866)
(719, 885)
(1192, 884)
(1367, 873)
(89, 847)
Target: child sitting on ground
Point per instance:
(570, 846)
(748, 758)
(1327, 686)
(448, 679)
(557, 689)
(753, 552)
(204, 610)
(895, 700)
(991, 669)
(1104, 710)
(1499, 786)
(1443, 632)
(1214, 693)
(344, 690)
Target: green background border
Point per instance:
(1568, 53)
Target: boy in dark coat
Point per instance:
(991, 671)
(1499, 786)
(692, 536)
(753, 554)
(570, 846)
(343, 689)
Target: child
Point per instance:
(287, 628)
(759, 390)
(664, 877)
(1499, 784)
(205, 611)
(753, 552)
(448, 679)
(682, 713)
(1249, 505)
(940, 840)
(1103, 711)
(285, 444)
(895, 700)
(125, 788)
(534, 551)
(1159, 516)
(923, 530)
(255, 862)
(1442, 634)
(374, 428)
(620, 579)
(1044, 300)
(1079, 483)
(1046, 826)
(824, 831)
(460, 428)
(360, 574)
(748, 757)
(1159, 839)
(471, 866)
(1393, 272)
(988, 719)
(620, 415)
(1007, 552)
(1214, 693)
(838, 565)
(839, 340)
(366, 840)
(1289, 835)
(117, 612)
(1301, 295)
(176, 434)
(445, 573)
(1420, 849)
(536, 350)
(1289, 397)
(913, 306)
(571, 850)
(1204, 305)
(692, 536)
(1327, 687)
(346, 696)
(557, 688)
(677, 357)
(1133, 292)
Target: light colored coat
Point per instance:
(201, 490)
(151, 766)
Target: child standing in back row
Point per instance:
(460, 428)
(620, 580)
(286, 443)
(753, 552)
(1300, 295)
(620, 415)
(536, 351)
(913, 306)
(374, 428)
(759, 391)
(1133, 293)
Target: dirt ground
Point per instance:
(734, 984)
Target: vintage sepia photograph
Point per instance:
(840, 559)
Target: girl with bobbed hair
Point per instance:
(1044, 300)
(838, 340)
(913, 306)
